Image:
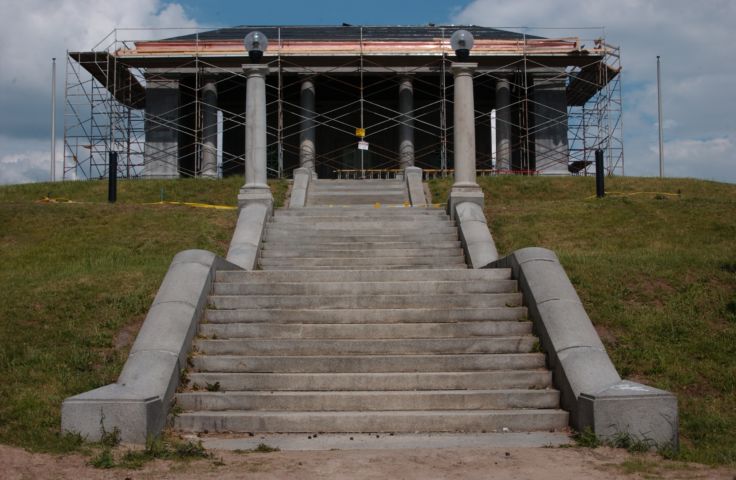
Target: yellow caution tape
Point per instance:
(631, 194)
(54, 200)
(196, 205)
(187, 204)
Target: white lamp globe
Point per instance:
(255, 43)
(462, 41)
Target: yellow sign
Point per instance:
(360, 132)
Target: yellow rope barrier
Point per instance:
(631, 194)
(196, 205)
(186, 204)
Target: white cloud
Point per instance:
(40, 29)
(27, 161)
(693, 40)
(34, 31)
(713, 157)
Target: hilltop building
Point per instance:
(176, 107)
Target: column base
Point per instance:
(250, 195)
(464, 194)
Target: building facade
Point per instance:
(348, 99)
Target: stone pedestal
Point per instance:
(648, 414)
(465, 188)
(308, 134)
(209, 130)
(256, 188)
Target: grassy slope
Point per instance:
(658, 277)
(76, 281)
(657, 274)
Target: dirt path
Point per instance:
(513, 463)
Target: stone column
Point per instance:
(255, 189)
(549, 124)
(465, 188)
(209, 130)
(308, 134)
(503, 124)
(161, 151)
(406, 128)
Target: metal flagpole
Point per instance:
(659, 113)
(53, 119)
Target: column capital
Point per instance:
(255, 69)
(502, 79)
(209, 84)
(463, 68)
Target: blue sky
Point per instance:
(692, 38)
(322, 12)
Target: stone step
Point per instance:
(438, 275)
(421, 220)
(342, 212)
(381, 224)
(358, 182)
(356, 186)
(361, 200)
(378, 421)
(295, 263)
(362, 212)
(337, 234)
(340, 191)
(378, 266)
(365, 288)
(301, 252)
(354, 183)
(357, 223)
(369, 315)
(367, 363)
(356, 246)
(317, 238)
(325, 302)
(341, 347)
(364, 330)
(401, 381)
(367, 401)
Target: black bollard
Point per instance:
(112, 178)
(600, 173)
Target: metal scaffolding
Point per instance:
(105, 97)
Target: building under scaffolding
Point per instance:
(176, 107)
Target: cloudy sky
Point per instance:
(693, 39)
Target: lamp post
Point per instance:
(464, 188)
(255, 188)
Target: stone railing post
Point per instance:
(465, 188)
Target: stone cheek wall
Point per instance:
(138, 403)
(591, 388)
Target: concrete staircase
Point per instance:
(354, 192)
(366, 319)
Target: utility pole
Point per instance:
(53, 119)
(661, 128)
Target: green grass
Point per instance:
(108, 456)
(657, 275)
(76, 281)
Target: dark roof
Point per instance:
(353, 32)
